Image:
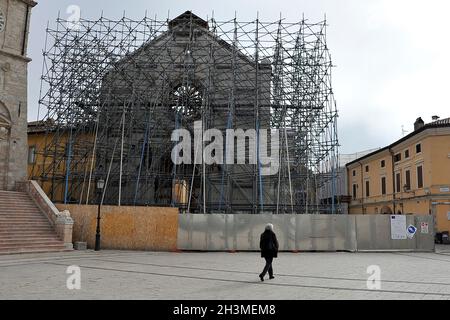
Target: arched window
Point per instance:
(5, 126)
(5, 122)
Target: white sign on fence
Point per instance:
(398, 227)
(424, 227)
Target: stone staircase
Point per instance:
(23, 227)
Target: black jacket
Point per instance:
(268, 244)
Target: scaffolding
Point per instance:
(113, 91)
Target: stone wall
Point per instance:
(13, 91)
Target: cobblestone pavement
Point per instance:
(203, 276)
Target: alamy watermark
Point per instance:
(374, 280)
(73, 21)
(253, 142)
(73, 282)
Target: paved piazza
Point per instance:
(202, 276)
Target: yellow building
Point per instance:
(410, 176)
(52, 176)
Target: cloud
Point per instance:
(396, 72)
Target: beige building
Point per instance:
(410, 176)
(14, 27)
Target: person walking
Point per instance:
(269, 250)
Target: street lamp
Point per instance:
(100, 186)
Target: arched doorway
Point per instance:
(386, 210)
(5, 133)
(186, 103)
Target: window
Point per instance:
(406, 154)
(418, 148)
(408, 180)
(398, 157)
(419, 177)
(354, 191)
(397, 182)
(367, 189)
(383, 163)
(32, 155)
(354, 173)
(187, 100)
(367, 168)
(383, 186)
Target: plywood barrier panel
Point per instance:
(127, 228)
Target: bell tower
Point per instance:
(14, 28)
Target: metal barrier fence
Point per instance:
(373, 233)
(241, 232)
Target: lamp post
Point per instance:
(100, 186)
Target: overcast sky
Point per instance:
(391, 56)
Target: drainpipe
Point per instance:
(25, 35)
(393, 179)
(348, 187)
(362, 187)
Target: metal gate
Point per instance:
(241, 232)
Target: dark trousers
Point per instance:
(268, 267)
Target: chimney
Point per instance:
(418, 124)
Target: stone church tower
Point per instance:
(14, 27)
